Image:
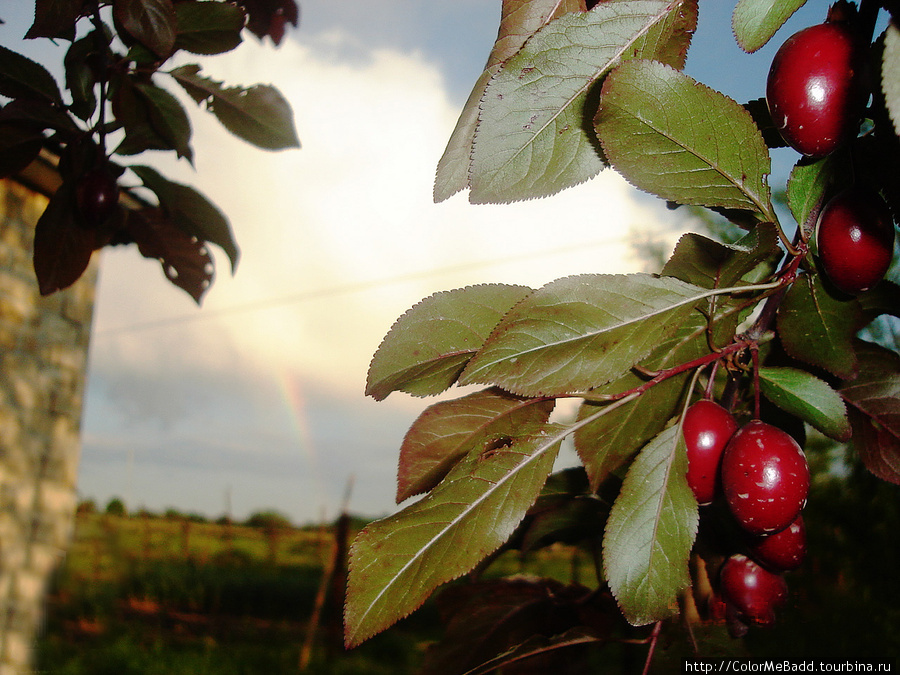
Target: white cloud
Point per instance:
(325, 225)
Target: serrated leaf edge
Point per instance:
(548, 445)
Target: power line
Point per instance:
(359, 287)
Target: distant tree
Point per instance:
(268, 519)
(173, 514)
(86, 506)
(116, 507)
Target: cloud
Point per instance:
(338, 239)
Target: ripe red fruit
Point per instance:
(855, 240)
(814, 89)
(707, 429)
(783, 550)
(765, 478)
(752, 590)
(96, 195)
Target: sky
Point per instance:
(255, 401)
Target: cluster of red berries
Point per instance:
(762, 475)
(816, 92)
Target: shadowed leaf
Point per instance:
(818, 329)
(169, 119)
(150, 22)
(55, 19)
(62, 248)
(873, 401)
(486, 624)
(259, 114)
(708, 263)
(269, 17)
(20, 77)
(193, 213)
(19, 146)
(208, 27)
(185, 260)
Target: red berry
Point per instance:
(783, 550)
(765, 478)
(96, 195)
(814, 89)
(752, 590)
(707, 429)
(855, 240)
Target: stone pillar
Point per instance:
(43, 357)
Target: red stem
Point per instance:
(654, 638)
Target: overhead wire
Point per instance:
(358, 287)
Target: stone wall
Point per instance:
(43, 358)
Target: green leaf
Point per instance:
(208, 27)
(150, 22)
(807, 397)
(519, 20)
(873, 399)
(531, 139)
(580, 332)
(428, 347)
(807, 189)
(890, 74)
(817, 328)
(259, 115)
(650, 532)
(709, 263)
(191, 211)
(755, 21)
(20, 77)
(445, 433)
(608, 442)
(397, 562)
(680, 140)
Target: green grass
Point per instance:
(149, 595)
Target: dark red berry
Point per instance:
(753, 591)
(96, 195)
(855, 240)
(765, 478)
(814, 89)
(782, 551)
(707, 429)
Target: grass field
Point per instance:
(148, 595)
